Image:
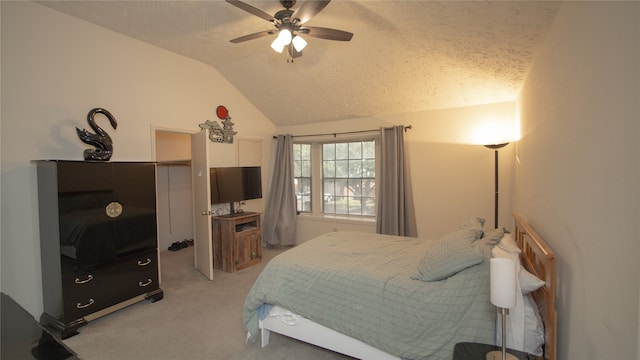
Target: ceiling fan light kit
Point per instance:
(283, 39)
(299, 43)
(289, 26)
(277, 46)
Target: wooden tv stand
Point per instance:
(237, 241)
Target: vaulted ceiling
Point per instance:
(405, 56)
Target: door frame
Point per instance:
(154, 129)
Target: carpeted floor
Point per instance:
(197, 319)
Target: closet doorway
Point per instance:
(172, 152)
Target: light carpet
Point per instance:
(197, 319)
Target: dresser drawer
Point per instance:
(104, 286)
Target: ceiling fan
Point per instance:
(289, 25)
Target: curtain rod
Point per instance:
(408, 127)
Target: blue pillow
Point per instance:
(473, 223)
(450, 255)
(492, 236)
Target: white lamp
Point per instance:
(277, 45)
(299, 43)
(503, 295)
(283, 39)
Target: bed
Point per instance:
(374, 296)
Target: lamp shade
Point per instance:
(283, 39)
(503, 282)
(278, 45)
(285, 36)
(299, 43)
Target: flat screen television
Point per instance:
(234, 184)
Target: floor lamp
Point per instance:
(495, 147)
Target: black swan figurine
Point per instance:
(100, 140)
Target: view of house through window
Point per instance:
(344, 179)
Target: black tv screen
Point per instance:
(233, 184)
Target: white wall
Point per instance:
(452, 176)
(578, 173)
(55, 68)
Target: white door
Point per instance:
(201, 190)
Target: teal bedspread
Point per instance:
(361, 285)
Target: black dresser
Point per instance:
(24, 338)
(98, 239)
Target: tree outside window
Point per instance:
(349, 178)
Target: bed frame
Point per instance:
(320, 335)
(537, 258)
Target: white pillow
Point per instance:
(528, 281)
(499, 252)
(509, 244)
(533, 327)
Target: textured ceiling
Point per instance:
(405, 56)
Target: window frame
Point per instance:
(317, 179)
(302, 177)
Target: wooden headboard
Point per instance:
(539, 259)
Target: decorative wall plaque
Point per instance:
(222, 134)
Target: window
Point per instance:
(302, 176)
(336, 178)
(349, 178)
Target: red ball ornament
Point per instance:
(222, 112)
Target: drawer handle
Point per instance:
(113, 210)
(81, 306)
(140, 283)
(144, 263)
(89, 278)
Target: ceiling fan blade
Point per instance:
(253, 36)
(253, 10)
(326, 33)
(308, 9)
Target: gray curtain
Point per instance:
(396, 214)
(279, 226)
